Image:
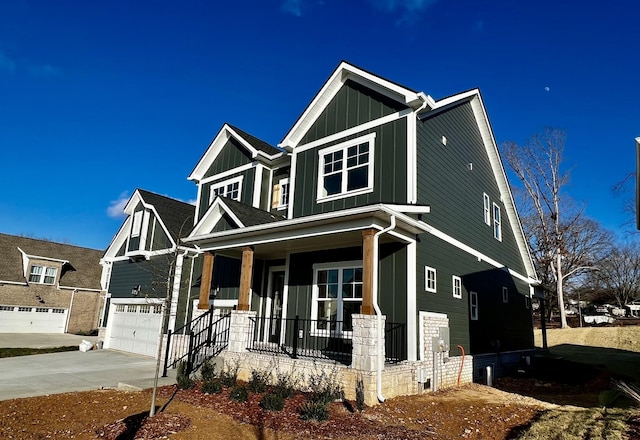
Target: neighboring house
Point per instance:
(143, 263)
(48, 287)
(380, 204)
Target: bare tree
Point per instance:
(619, 273)
(555, 227)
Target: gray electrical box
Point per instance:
(440, 343)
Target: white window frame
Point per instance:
(429, 284)
(473, 305)
(344, 146)
(497, 222)
(340, 267)
(136, 227)
(456, 282)
(225, 186)
(284, 191)
(505, 294)
(487, 208)
(42, 275)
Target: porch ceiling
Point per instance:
(324, 231)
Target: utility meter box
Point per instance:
(440, 343)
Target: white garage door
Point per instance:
(18, 319)
(134, 328)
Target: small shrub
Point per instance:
(360, 393)
(229, 376)
(183, 379)
(286, 382)
(259, 380)
(239, 394)
(212, 387)
(314, 411)
(325, 385)
(208, 371)
(272, 402)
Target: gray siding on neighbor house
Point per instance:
(389, 173)
(151, 275)
(454, 192)
(160, 238)
(353, 105)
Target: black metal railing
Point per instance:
(303, 338)
(204, 337)
(395, 342)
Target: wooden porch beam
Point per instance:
(367, 272)
(205, 281)
(246, 273)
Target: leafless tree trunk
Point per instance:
(552, 220)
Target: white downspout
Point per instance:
(376, 307)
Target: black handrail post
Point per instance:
(294, 345)
(190, 355)
(166, 354)
(210, 326)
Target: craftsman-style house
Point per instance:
(143, 266)
(380, 234)
(380, 201)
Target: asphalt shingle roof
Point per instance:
(257, 143)
(248, 215)
(176, 215)
(85, 267)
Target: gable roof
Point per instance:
(243, 215)
(176, 215)
(474, 97)
(257, 149)
(346, 71)
(82, 264)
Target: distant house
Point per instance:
(144, 262)
(48, 287)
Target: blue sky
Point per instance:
(100, 98)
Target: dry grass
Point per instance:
(619, 338)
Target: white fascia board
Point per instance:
(211, 218)
(254, 152)
(39, 257)
(133, 201)
(83, 289)
(454, 98)
(410, 209)
(13, 283)
(503, 184)
(150, 301)
(331, 87)
(332, 221)
(119, 239)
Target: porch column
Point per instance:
(205, 281)
(246, 273)
(367, 272)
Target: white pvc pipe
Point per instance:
(376, 307)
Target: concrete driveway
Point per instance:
(42, 374)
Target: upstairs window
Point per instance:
(473, 305)
(487, 209)
(42, 274)
(346, 169)
(229, 188)
(281, 194)
(497, 224)
(429, 279)
(137, 223)
(505, 295)
(457, 287)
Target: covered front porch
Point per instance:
(310, 287)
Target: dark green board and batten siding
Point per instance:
(454, 192)
(389, 173)
(246, 191)
(232, 155)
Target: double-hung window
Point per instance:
(42, 274)
(137, 224)
(346, 169)
(457, 287)
(229, 188)
(497, 223)
(337, 294)
(473, 305)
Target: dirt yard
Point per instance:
(516, 408)
(473, 412)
